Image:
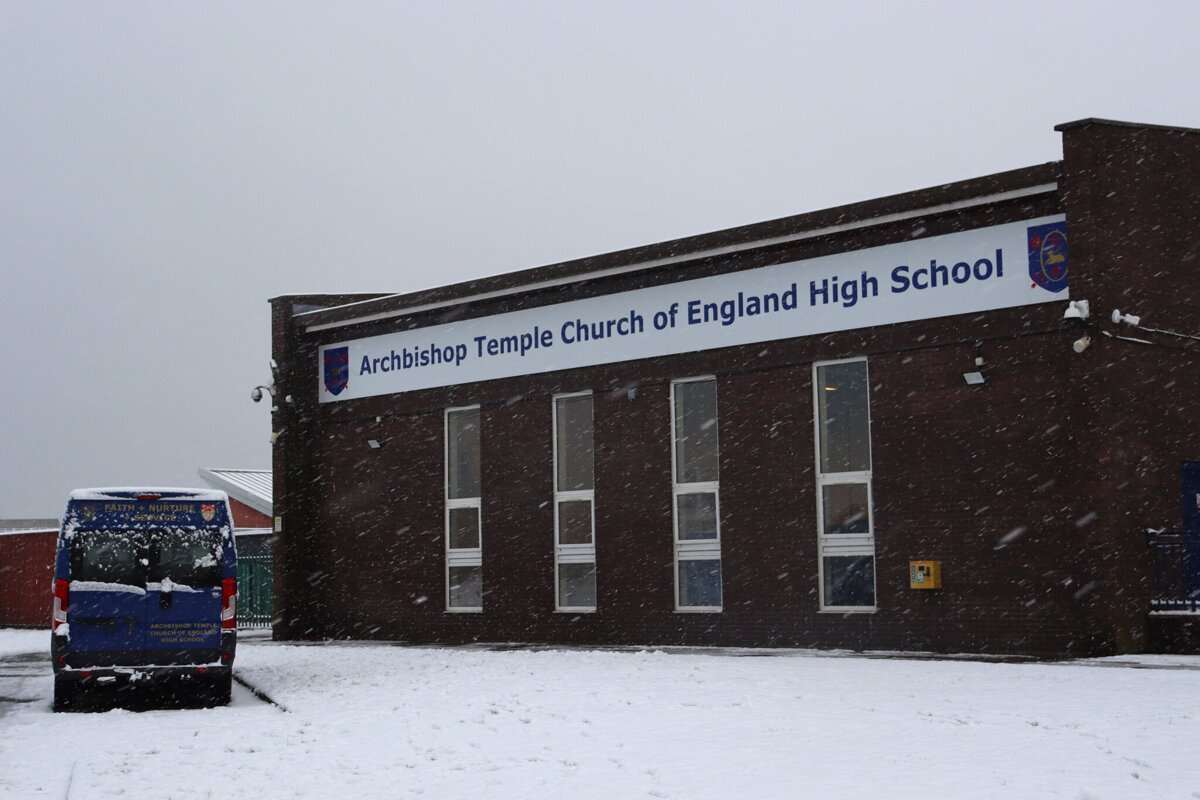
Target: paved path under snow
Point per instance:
(404, 722)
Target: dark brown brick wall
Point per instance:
(1031, 489)
(1134, 195)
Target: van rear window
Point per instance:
(192, 558)
(187, 557)
(108, 557)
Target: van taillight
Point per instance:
(62, 597)
(229, 603)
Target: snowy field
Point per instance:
(365, 721)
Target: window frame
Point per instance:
(695, 549)
(834, 545)
(573, 553)
(460, 556)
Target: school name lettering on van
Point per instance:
(925, 278)
(151, 512)
(183, 632)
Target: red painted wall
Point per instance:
(246, 517)
(26, 570)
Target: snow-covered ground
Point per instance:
(369, 721)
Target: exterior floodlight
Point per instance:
(1128, 319)
(976, 377)
(1082, 343)
(1077, 309)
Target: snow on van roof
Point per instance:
(131, 492)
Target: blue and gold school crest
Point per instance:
(1048, 255)
(337, 369)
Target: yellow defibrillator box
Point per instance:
(924, 574)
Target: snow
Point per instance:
(102, 586)
(28, 531)
(15, 642)
(119, 492)
(169, 585)
(379, 721)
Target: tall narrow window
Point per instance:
(574, 504)
(696, 495)
(845, 527)
(464, 544)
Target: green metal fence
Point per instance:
(254, 581)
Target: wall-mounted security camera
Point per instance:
(256, 394)
(1077, 309)
(1082, 343)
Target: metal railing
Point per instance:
(1176, 570)
(254, 591)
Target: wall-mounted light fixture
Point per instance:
(1128, 319)
(1082, 343)
(373, 444)
(976, 377)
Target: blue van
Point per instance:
(145, 592)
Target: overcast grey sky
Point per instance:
(165, 168)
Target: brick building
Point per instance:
(745, 437)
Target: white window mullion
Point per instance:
(845, 502)
(696, 495)
(574, 503)
(464, 511)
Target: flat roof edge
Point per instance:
(879, 210)
(1116, 123)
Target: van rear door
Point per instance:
(183, 602)
(108, 598)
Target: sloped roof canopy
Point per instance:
(249, 486)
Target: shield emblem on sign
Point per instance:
(208, 511)
(337, 369)
(1048, 256)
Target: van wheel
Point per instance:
(64, 693)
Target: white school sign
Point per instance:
(1004, 266)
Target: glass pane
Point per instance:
(699, 583)
(464, 528)
(696, 431)
(190, 558)
(850, 581)
(577, 585)
(109, 557)
(574, 440)
(462, 453)
(466, 587)
(844, 421)
(697, 516)
(575, 522)
(845, 507)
